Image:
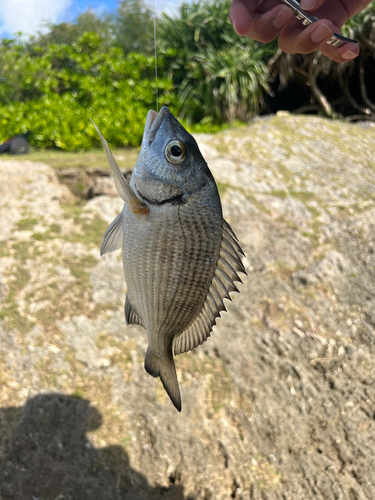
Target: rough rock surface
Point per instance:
(278, 404)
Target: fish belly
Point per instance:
(169, 261)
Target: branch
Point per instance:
(270, 70)
(349, 97)
(362, 84)
(306, 109)
(368, 44)
(299, 71)
(355, 118)
(318, 94)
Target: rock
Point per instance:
(107, 279)
(102, 186)
(88, 183)
(103, 183)
(277, 404)
(32, 188)
(4, 288)
(104, 207)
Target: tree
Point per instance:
(133, 26)
(57, 89)
(335, 89)
(68, 33)
(217, 75)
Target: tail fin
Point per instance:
(165, 369)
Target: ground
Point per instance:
(278, 404)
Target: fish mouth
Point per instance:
(153, 123)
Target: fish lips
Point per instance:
(167, 124)
(153, 123)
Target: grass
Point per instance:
(62, 298)
(27, 224)
(13, 319)
(94, 158)
(220, 387)
(265, 475)
(223, 187)
(4, 250)
(106, 426)
(121, 354)
(90, 229)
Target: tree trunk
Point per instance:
(349, 97)
(362, 84)
(318, 94)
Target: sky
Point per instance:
(28, 16)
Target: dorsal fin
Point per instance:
(229, 262)
(131, 316)
(122, 186)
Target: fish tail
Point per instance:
(166, 370)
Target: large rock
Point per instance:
(277, 404)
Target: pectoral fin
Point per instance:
(112, 238)
(122, 186)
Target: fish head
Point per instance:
(170, 166)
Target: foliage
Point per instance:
(134, 27)
(361, 26)
(130, 28)
(103, 67)
(68, 33)
(217, 76)
(352, 82)
(53, 92)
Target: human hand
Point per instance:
(264, 20)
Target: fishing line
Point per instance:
(156, 61)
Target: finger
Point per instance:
(342, 54)
(299, 40)
(311, 4)
(356, 9)
(240, 17)
(337, 11)
(259, 26)
(304, 41)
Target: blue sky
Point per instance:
(28, 15)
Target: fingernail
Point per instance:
(348, 55)
(282, 17)
(308, 4)
(322, 32)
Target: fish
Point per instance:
(180, 258)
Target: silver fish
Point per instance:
(180, 257)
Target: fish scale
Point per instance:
(176, 291)
(195, 277)
(180, 257)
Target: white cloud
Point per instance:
(28, 15)
(168, 6)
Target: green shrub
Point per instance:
(54, 91)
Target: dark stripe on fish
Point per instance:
(175, 200)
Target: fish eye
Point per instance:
(175, 152)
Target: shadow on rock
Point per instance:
(46, 455)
